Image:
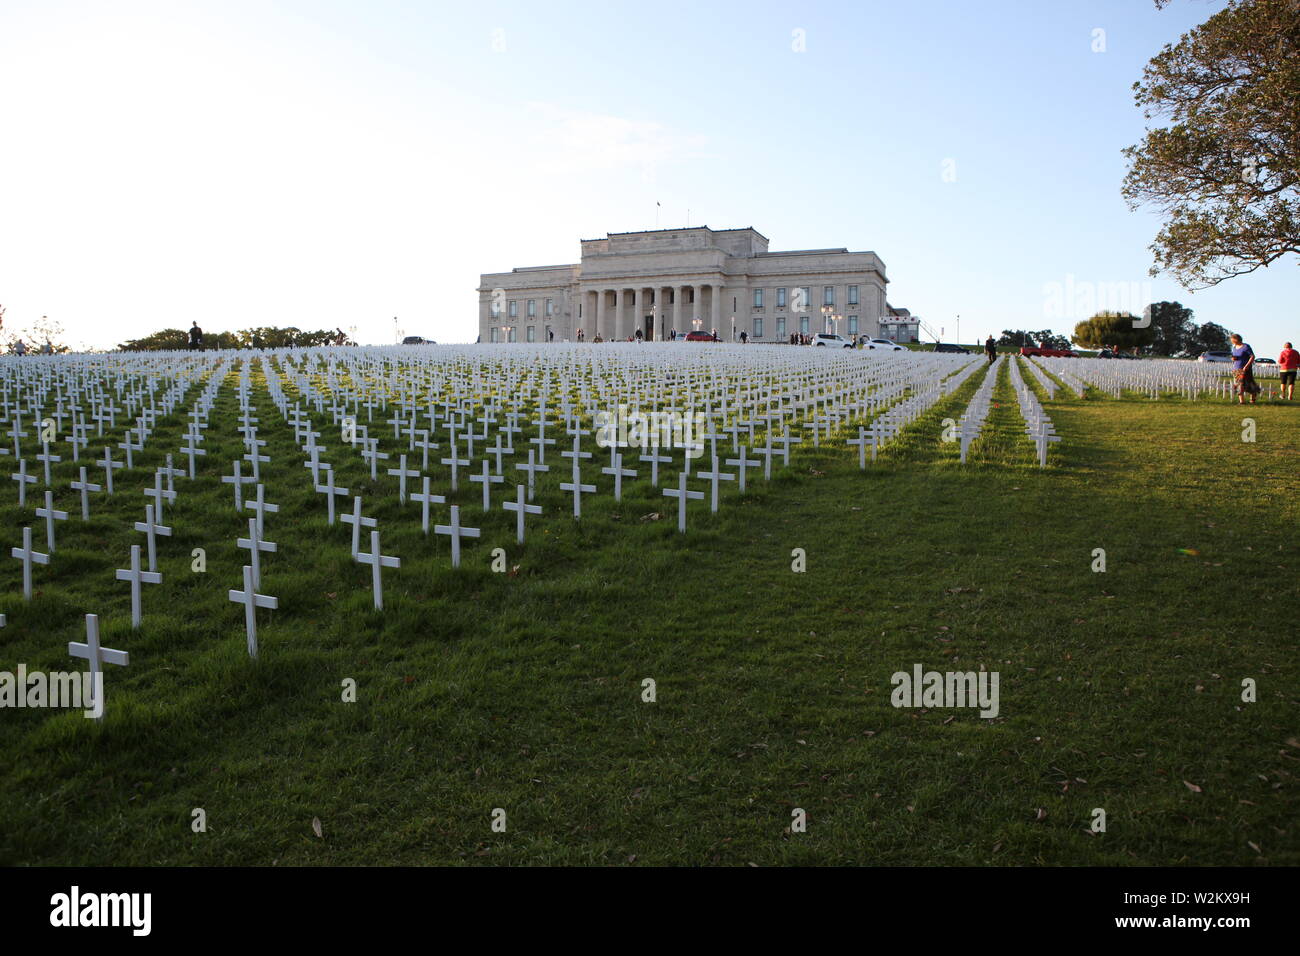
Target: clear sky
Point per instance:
(327, 164)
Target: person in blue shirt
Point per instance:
(1243, 364)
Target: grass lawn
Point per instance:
(523, 690)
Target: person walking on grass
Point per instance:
(1288, 362)
(990, 349)
(196, 336)
(1243, 365)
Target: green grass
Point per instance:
(522, 690)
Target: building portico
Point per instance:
(681, 280)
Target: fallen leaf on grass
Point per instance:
(1191, 786)
(316, 827)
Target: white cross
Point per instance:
(358, 522)
(520, 510)
(23, 480)
(190, 450)
(45, 457)
(256, 459)
(456, 532)
(377, 562)
(27, 556)
(488, 479)
(329, 491)
(252, 601)
(108, 464)
(151, 528)
(576, 486)
(681, 494)
(616, 469)
(171, 473)
(714, 477)
(372, 453)
(130, 446)
(425, 500)
(454, 462)
(655, 461)
(85, 487)
(239, 483)
(862, 441)
(532, 468)
(424, 445)
(402, 473)
(158, 494)
(261, 507)
(744, 463)
(137, 577)
(255, 546)
(51, 515)
(16, 432)
(96, 655)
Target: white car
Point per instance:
(885, 344)
(826, 339)
(1214, 357)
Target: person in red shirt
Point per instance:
(1288, 362)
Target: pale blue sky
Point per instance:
(327, 164)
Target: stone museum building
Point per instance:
(687, 279)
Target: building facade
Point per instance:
(658, 281)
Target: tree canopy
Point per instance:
(1015, 338)
(1114, 329)
(261, 337)
(1225, 170)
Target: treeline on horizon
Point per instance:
(262, 337)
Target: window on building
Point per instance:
(807, 297)
(828, 295)
(550, 307)
(492, 336)
(758, 298)
(780, 298)
(803, 324)
(780, 326)
(853, 325)
(532, 308)
(512, 334)
(514, 308)
(532, 333)
(853, 295)
(758, 327)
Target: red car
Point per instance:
(698, 336)
(1048, 353)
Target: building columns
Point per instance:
(678, 295)
(716, 310)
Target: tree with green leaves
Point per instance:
(1225, 168)
(1015, 338)
(1210, 337)
(1119, 330)
(262, 337)
(1172, 328)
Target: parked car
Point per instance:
(699, 335)
(826, 339)
(950, 347)
(1265, 361)
(1048, 352)
(417, 340)
(884, 344)
(1115, 354)
(1214, 357)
